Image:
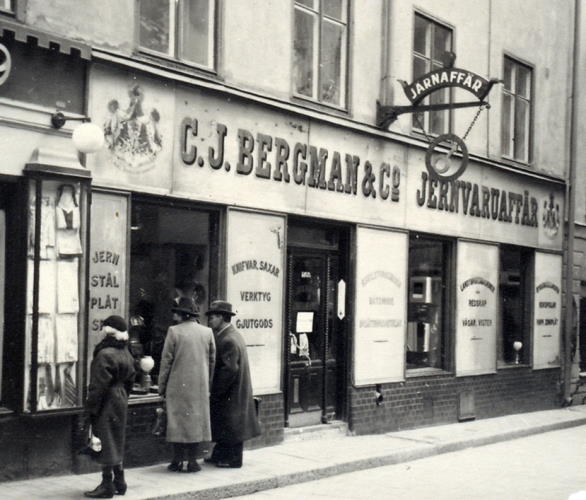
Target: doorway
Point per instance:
(317, 324)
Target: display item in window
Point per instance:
(66, 338)
(68, 291)
(233, 414)
(111, 377)
(187, 365)
(47, 236)
(68, 221)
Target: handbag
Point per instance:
(93, 445)
(160, 426)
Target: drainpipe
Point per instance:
(570, 212)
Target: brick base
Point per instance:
(433, 400)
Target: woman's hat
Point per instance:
(185, 306)
(220, 307)
(116, 326)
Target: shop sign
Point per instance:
(273, 158)
(547, 307)
(107, 269)
(476, 324)
(255, 288)
(379, 348)
(5, 64)
(446, 77)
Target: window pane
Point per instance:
(508, 74)
(523, 81)
(303, 52)
(170, 258)
(426, 330)
(441, 42)
(521, 128)
(420, 34)
(439, 119)
(420, 67)
(335, 9)
(155, 25)
(6, 5)
(307, 3)
(506, 136)
(197, 31)
(331, 62)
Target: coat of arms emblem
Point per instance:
(551, 216)
(132, 136)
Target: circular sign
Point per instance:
(449, 164)
(5, 64)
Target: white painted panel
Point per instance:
(477, 299)
(379, 325)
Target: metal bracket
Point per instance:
(385, 115)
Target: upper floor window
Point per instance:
(7, 6)
(179, 29)
(431, 41)
(320, 50)
(516, 115)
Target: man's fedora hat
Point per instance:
(185, 306)
(220, 307)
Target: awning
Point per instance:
(27, 34)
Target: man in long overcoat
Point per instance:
(233, 410)
(187, 366)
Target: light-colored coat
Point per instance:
(187, 367)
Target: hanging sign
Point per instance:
(5, 64)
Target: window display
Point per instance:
(430, 263)
(172, 255)
(55, 265)
(516, 276)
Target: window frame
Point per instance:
(315, 99)
(174, 54)
(8, 7)
(430, 60)
(510, 153)
(448, 304)
(527, 259)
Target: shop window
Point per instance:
(516, 111)
(516, 264)
(431, 44)
(320, 50)
(173, 253)
(7, 6)
(430, 279)
(179, 29)
(55, 326)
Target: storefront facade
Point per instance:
(367, 291)
(353, 273)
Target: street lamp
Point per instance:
(87, 137)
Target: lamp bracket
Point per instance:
(58, 119)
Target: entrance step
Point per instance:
(336, 428)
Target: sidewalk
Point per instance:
(298, 461)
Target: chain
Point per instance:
(420, 125)
(480, 108)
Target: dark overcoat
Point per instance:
(187, 366)
(232, 405)
(111, 378)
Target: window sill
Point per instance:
(425, 372)
(177, 65)
(319, 106)
(512, 366)
(521, 165)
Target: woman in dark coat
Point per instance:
(111, 377)
(232, 408)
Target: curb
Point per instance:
(420, 449)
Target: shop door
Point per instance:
(316, 338)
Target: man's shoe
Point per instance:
(193, 467)
(103, 490)
(228, 465)
(175, 466)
